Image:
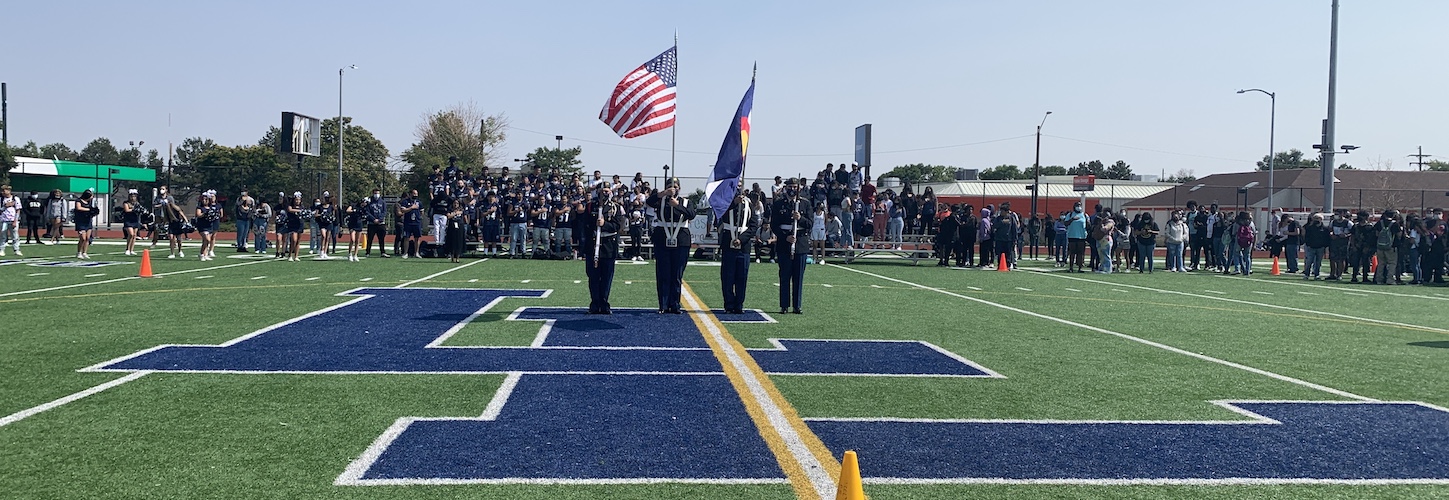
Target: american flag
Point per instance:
(643, 101)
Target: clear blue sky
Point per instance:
(1152, 75)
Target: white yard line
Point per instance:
(1258, 304)
(440, 273)
(23, 414)
(1158, 345)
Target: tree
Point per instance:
(1289, 159)
(1053, 170)
(190, 149)
(461, 131)
(1437, 165)
(100, 151)
(917, 173)
(7, 162)
(29, 150)
(58, 151)
(1003, 173)
(566, 160)
(153, 159)
(1120, 171)
(1093, 167)
(1183, 176)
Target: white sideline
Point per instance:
(128, 278)
(1143, 341)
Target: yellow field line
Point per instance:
(808, 464)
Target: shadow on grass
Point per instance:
(1436, 344)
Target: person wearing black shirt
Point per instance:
(790, 224)
(294, 227)
(738, 228)
(131, 220)
(1362, 246)
(945, 238)
(1292, 234)
(454, 233)
(375, 215)
(411, 215)
(672, 242)
(492, 225)
(966, 237)
(85, 213)
(34, 214)
(1145, 234)
(354, 215)
(600, 237)
(1317, 236)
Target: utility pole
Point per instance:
(5, 115)
(1330, 123)
(1420, 157)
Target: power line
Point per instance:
(798, 155)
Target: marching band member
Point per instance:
(601, 247)
(738, 229)
(671, 241)
(788, 225)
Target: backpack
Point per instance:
(1245, 235)
(1099, 230)
(1386, 237)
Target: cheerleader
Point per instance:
(818, 234)
(284, 236)
(354, 228)
(326, 217)
(294, 226)
(131, 220)
(208, 221)
(85, 213)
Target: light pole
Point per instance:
(1272, 129)
(340, 127)
(1036, 166)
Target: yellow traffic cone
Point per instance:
(849, 487)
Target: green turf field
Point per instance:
(1078, 347)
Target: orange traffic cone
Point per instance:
(1275, 271)
(1374, 265)
(1003, 266)
(849, 487)
(146, 263)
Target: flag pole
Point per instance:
(673, 130)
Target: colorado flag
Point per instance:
(729, 168)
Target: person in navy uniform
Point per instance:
(601, 247)
(671, 241)
(412, 221)
(374, 215)
(791, 231)
(737, 230)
